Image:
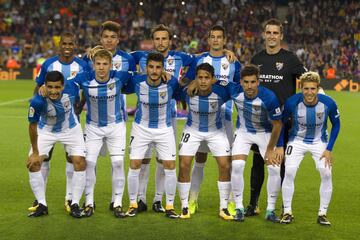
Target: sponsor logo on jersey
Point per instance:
(111, 86)
(163, 95)
(279, 65)
(320, 115)
(277, 111)
(224, 66)
(31, 112)
(117, 65)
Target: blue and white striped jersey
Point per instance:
(105, 102)
(224, 71)
(54, 116)
(122, 61)
(309, 123)
(154, 103)
(68, 70)
(255, 115)
(205, 111)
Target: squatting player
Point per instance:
(309, 112)
(52, 119)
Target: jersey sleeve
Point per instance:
(40, 78)
(237, 72)
(132, 64)
(35, 109)
(187, 58)
(190, 74)
(273, 106)
(334, 116)
(137, 56)
(131, 84)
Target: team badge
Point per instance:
(170, 61)
(256, 108)
(320, 115)
(31, 112)
(111, 86)
(117, 65)
(66, 104)
(279, 65)
(213, 105)
(225, 66)
(223, 83)
(163, 95)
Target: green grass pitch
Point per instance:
(16, 195)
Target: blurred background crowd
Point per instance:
(324, 34)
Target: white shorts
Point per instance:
(162, 139)
(73, 140)
(296, 150)
(114, 135)
(149, 151)
(244, 140)
(216, 141)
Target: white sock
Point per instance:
(118, 179)
(37, 186)
(325, 190)
(184, 188)
(143, 181)
(45, 169)
(159, 182)
(224, 191)
(170, 186)
(78, 186)
(288, 188)
(237, 182)
(133, 184)
(69, 176)
(197, 176)
(90, 183)
(273, 186)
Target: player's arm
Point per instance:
(40, 78)
(230, 55)
(270, 154)
(334, 117)
(33, 117)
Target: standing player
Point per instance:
(105, 121)
(121, 61)
(259, 118)
(174, 63)
(204, 125)
(225, 72)
(152, 125)
(309, 112)
(52, 119)
(279, 69)
(69, 65)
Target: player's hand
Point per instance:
(327, 157)
(192, 88)
(230, 55)
(33, 160)
(270, 157)
(42, 91)
(279, 154)
(78, 107)
(165, 77)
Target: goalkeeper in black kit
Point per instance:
(279, 70)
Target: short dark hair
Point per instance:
(274, 21)
(54, 76)
(156, 57)
(161, 27)
(218, 28)
(206, 67)
(110, 26)
(249, 70)
(67, 34)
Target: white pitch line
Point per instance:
(13, 101)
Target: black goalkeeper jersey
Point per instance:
(278, 72)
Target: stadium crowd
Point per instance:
(324, 34)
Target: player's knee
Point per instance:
(79, 163)
(35, 167)
(325, 173)
(237, 167)
(290, 172)
(169, 165)
(201, 157)
(273, 170)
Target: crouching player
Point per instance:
(204, 125)
(309, 112)
(259, 122)
(52, 119)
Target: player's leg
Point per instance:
(166, 150)
(69, 175)
(73, 141)
(144, 179)
(140, 138)
(294, 153)
(240, 151)
(116, 141)
(187, 149)
(326, 186)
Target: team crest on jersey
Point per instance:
(111, 86)
(320, 115)
(117, 65)
(31, 112)
(223, 83)
(162, 95)
(213, 105)
(170, 61)
(256, 108)
(67, 104)
(279, 65)
(225, 66)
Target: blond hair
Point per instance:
(310, 77)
